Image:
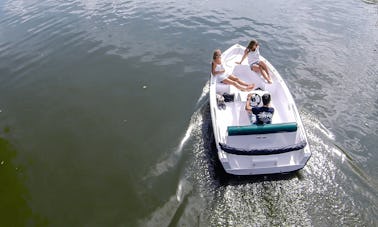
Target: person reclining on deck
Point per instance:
(222, 76)
(263, 114)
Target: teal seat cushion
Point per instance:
(262, 129)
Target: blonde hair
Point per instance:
(217, 53)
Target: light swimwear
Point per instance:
(223, 76)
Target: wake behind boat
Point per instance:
(250, 149)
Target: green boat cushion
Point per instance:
(262, 129)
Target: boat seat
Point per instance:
(262, 129)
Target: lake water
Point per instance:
(105, 114)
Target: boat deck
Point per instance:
(235, 115)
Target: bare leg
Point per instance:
(255, 68)
(265, 71)
(239, 81)
(236, 84)
(265, 67)
(265, 75)
(259, 68)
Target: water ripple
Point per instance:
(326, 51)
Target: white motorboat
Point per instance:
(250, 149)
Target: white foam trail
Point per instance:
(185, 138)
(205, 91)
(314, 127)
(172, 159)
(339, 153)
(314, 122)
(163, 215)
(324, 130)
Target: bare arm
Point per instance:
(246, 51)
(213, 71)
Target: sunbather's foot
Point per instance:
(252, 86)
(249, 88)
(270, 81)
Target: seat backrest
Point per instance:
(262, 129)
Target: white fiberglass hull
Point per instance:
(235, 115)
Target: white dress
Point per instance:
(254, 56)
(220, 77)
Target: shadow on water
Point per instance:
(14, 209)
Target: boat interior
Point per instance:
(235, 114)
(280, 102)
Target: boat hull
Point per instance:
(266, 164)
(239, 164)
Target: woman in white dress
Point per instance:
(253, 53)
(222, 76)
